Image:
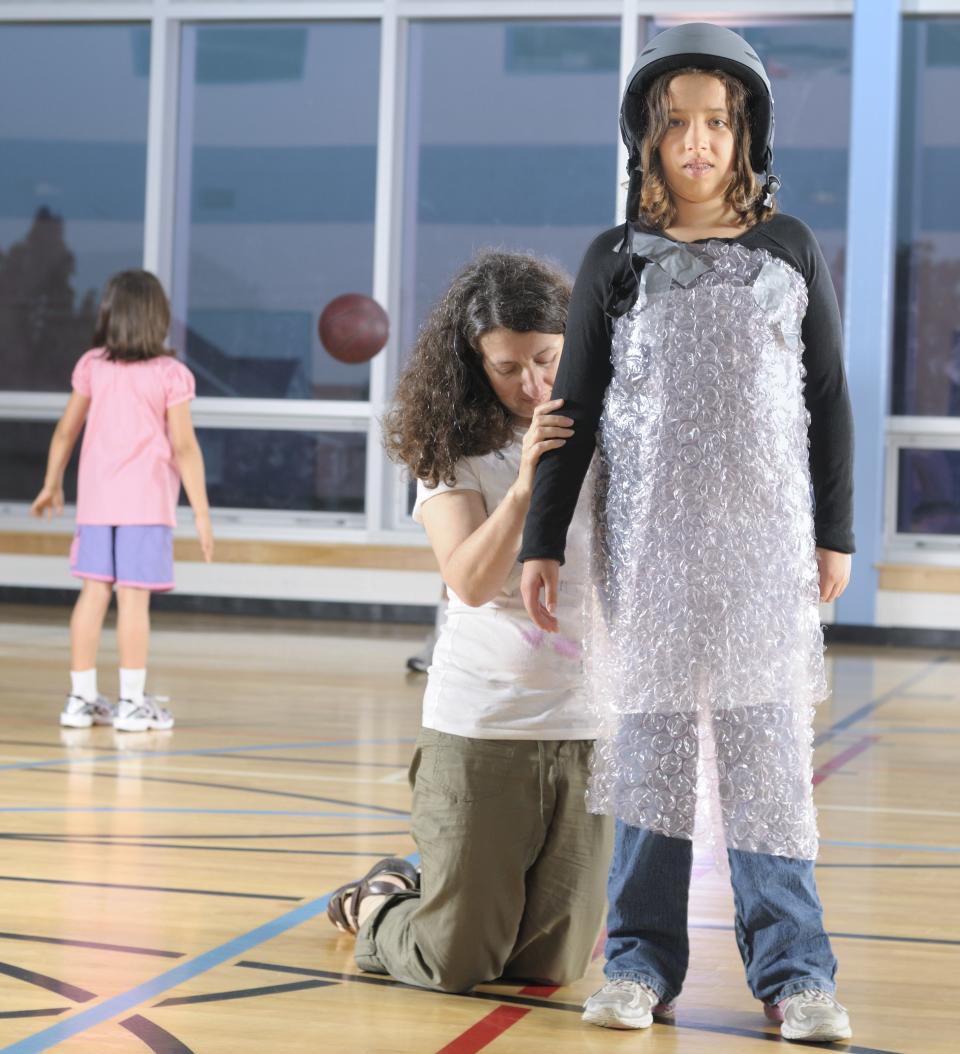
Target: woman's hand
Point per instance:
(49, 501)
(547, 431)
(834, 573)
(545, 575)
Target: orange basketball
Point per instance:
(353, 327)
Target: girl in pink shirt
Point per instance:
(138, 444)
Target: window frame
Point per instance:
(385, 517)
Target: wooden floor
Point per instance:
(165, 892)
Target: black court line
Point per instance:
(320, 761)
(389, 982)
(56, 744)
(98, 749)
(146, 889)
(576, 1008)
(158, 1039)
(845, 936)
(769, 1037)
(51, 984)
(228, 786)
(111, 838)
(245, 993)
(867, 709)
(34, 1013)
(69, 840)
(91, 944)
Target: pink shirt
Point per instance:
(127, 471)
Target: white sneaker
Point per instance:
(624, 1004)
(81, 713)
(811, 1016)
(140, 717)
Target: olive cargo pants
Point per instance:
(514, 868)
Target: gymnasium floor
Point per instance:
(165, 891)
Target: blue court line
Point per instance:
(124, 1001)
(847, 936)
(894, 845)
(200, 752)
(140, 993)
(864, 711)
(896, 730)
(399, 817)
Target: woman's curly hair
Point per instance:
(444, 408)
(744, 194)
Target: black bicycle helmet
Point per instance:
(700, 45)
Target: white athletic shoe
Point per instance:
(811, 1016)
(148, 715)
(79, 713)
(624, 1004)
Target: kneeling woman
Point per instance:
(513, 867)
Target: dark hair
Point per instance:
(134, 318)
(744, 193)
(444, 408)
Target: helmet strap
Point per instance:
(634, 186)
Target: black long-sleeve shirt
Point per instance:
(586, 369)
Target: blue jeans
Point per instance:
(779, 918)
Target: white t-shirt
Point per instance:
(495, 675)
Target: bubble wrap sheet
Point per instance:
(704, 647)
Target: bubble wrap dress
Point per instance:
(704, 650)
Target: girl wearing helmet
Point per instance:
(703, 361)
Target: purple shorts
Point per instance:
(132, 555)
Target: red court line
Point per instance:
(839, 760)
(485, 1031)
(598, 949)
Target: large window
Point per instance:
(289, 470)
(275, 202)
(926, 353)
(25, 445)
(929, 498)
(261, 168)
(511, 143)
(73, 128)
(927, 340)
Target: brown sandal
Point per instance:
(343, 908)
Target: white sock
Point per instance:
(131, 685)
(83, 683)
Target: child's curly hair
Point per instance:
(444, 408)
(744, 194)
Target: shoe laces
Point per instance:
(100, 705)
(814, 995)
(150, 707)
(154, 701)
(624, 984)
